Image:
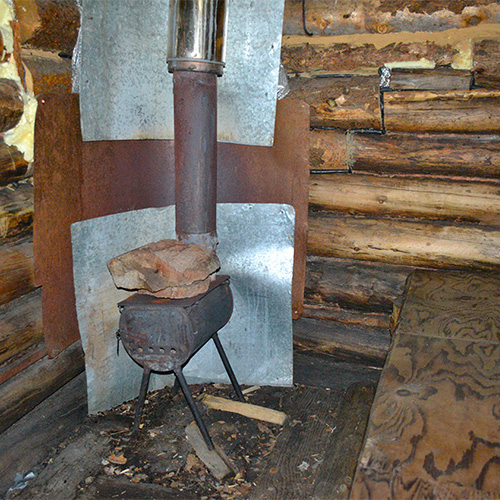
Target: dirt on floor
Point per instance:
(313, 455)
(159, 453)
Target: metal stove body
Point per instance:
(162, 335)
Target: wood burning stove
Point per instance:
(163, 334)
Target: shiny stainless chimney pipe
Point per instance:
(196, 58)
(197, 35)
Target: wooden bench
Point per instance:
(434, 428)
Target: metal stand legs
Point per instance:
(194, 409)
(229, 370)
(142, 397)
(180, 381)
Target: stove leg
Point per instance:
(194, 409)
(142, 397)
(175, 388)
(228, 368)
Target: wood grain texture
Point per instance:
(446, 155)
(353, 284)
(352, 343)
(485, 63)
(363, 55)
(343, 103)
(373, 16)
(346, 316)
(458, 305)
(16, 269)
(16, 211)
(29, 441)
(335, 475)
(302, 439)
(475, 110)
(404, 242)
(431, 199)
(23, 392)
(328, 149)
(11, 104)
(13, 166)
(434, 428)
(20, 325)
(430, 79)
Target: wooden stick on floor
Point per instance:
(245, 409)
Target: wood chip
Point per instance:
(117, 459)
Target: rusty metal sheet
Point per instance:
(108, 177)
(57, 176)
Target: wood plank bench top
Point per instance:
(434, 429)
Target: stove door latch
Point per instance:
(118, 338)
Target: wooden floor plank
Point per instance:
(336, 473)
(300, 447)
(79, 460)
(29, 441)
(434, 428)
(107, 488)
(452, 304)
(321, 370)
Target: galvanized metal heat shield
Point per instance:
(256, 251)
(125, 87)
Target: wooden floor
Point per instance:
(314, 455)
(434, 431)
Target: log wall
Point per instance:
(405, 172)
(44, 34)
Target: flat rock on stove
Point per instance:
(166, 268)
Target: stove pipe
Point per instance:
(196, 59)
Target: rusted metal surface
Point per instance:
(195, 144)
(58, 203)
(77, 181)
(162, 334)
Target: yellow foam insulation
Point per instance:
(21, 136)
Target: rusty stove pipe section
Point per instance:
(195, 57)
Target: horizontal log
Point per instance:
(16, 211)
(16, 269)
(407, 243)
(450, 155)
(346, 316)
(420, 198)
(20, 325)
(13, 166)
(343, 102)
(349, 54)
(430, 79)
(11, 104)
(351, 284)
(23, 392)
(326, 18)
(475, 111)
(368, 345)
(486, 54)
